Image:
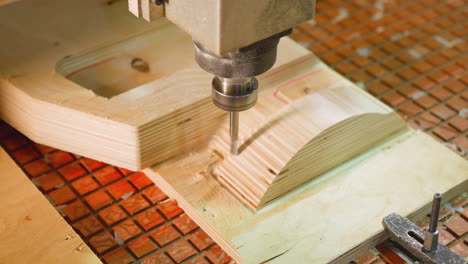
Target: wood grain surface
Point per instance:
(31, 230)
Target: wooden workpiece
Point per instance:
(31, 230)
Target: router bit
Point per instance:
(234, 87)
(234, 131)
(234, 95)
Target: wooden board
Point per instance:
(71, 77)
(31, 230)
(328, 217)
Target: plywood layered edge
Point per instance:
(31, 230)
(257, 176)
(322, 221)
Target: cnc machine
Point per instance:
(234, 40)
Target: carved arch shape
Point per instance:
(313, 135)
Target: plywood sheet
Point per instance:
(31, 230)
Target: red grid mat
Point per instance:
(410, 54)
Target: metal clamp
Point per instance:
(423, 245)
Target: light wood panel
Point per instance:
(330, 216)
(142, 118)
(31, 230)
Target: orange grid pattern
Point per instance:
(412, 55)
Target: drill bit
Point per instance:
(234, 131)
(234, 95)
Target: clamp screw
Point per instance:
(432, 235)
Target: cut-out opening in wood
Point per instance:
(118, 68)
